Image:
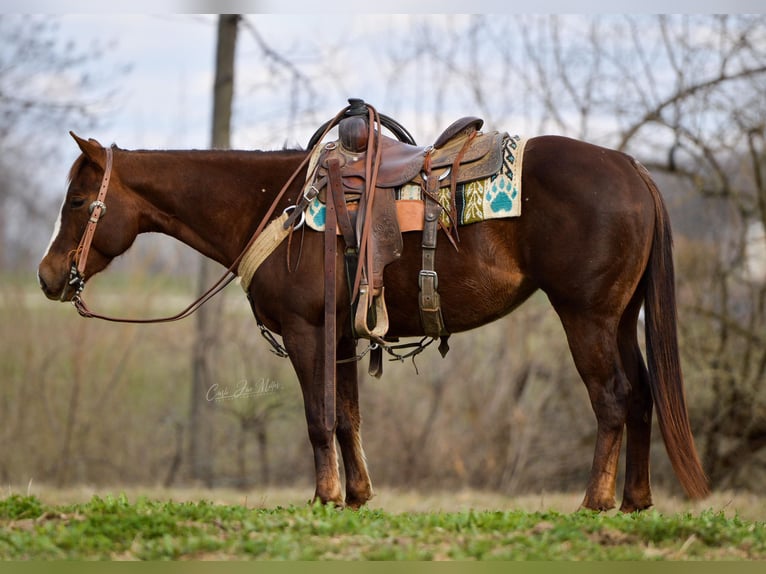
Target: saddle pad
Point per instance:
(495, 197)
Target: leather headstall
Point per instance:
(97, 209)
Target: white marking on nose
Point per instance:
(56, 229)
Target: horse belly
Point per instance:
(479, 282)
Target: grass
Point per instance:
(116, 528)
(142, 389)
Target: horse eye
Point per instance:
(76, 202)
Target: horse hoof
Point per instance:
(628, 506)
(597, 505)
(356, 502)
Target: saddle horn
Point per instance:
(357, 107)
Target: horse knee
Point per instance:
(319, 435)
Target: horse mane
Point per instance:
(82, 158)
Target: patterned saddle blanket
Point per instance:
(495, 197)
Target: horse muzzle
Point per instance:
(56, 285)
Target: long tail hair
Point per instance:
(665, 376)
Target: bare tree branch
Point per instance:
(655, 114)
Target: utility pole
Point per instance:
(207, 326)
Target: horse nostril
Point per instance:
(45, 287)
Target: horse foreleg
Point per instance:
(305, 346)
(358, 485)
(594, 348)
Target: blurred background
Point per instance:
(89, 403)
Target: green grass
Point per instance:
(117, 529)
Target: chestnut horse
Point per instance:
(594, 235)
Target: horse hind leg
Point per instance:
(593, 343)
(637, 493)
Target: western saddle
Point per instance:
(356, 178)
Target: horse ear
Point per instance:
(91, 148)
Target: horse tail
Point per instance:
(665, 376)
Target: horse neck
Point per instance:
(209, 200)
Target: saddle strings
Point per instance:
(372, 165)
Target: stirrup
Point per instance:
(379, 312)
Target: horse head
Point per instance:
(56, 272)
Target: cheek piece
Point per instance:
(97, 209)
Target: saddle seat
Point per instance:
(402, 163)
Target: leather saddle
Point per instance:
(403, 163)
(365, 203)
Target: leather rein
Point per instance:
(97, 210)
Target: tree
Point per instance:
(209, 315)
(44, 83)
(715, 118)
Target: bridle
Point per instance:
(97, 210)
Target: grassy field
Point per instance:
(462, 526)
(61, 374)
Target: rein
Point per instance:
(97, 211)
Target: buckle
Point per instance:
(310, 193)
(426, 273)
